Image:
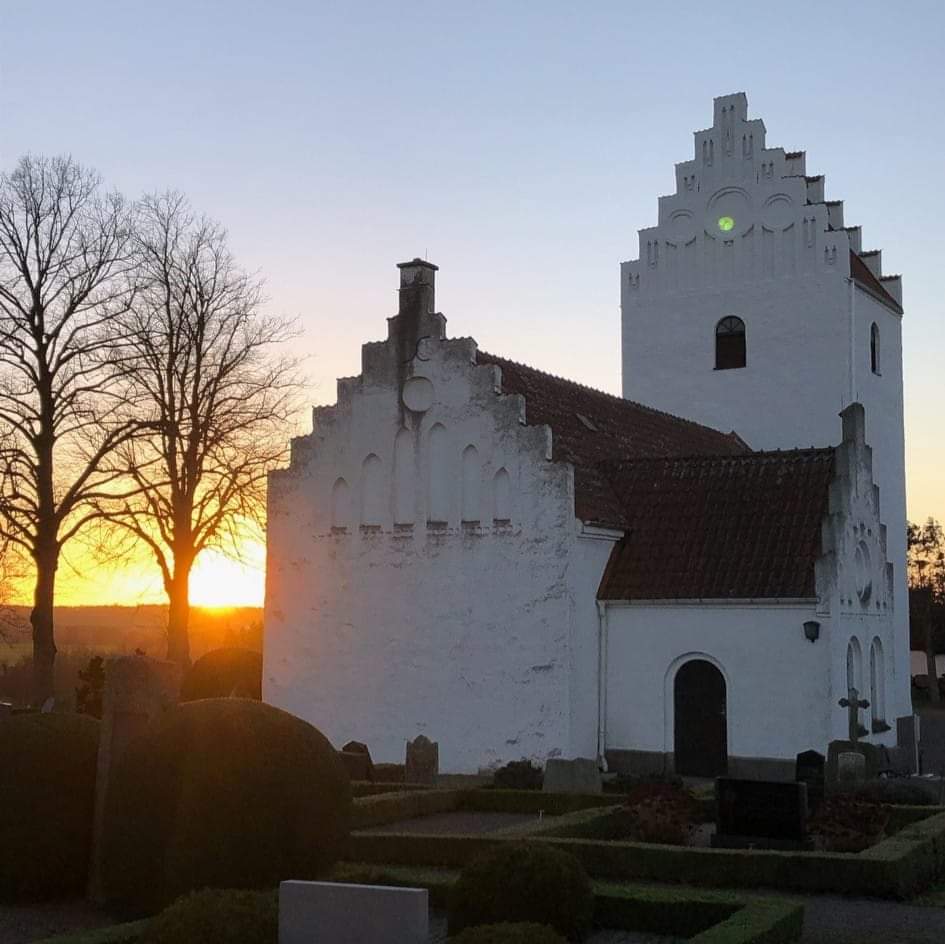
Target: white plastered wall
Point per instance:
(475, 634)
(784, 269)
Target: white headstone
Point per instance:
(336, 913)
(851, 769)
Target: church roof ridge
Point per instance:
(758, 456)
(498, 360)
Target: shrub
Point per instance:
(523, 882)
(897, 792)
(520, 932)
(664, 818)
(849, 823)
(519, 775)
(222, 793)
(47, 795)
(223, 672)
(215, 916)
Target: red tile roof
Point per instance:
(860, 272)
(715, 527)
(590, 427)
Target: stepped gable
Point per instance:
(860, 273)
(589, 427)
(718, 527)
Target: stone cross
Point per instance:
(853, 703)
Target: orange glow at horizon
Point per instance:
(215, 581)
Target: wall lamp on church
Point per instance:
(811, 630)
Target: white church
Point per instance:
(688, 578)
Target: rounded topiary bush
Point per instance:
(224, 672)
(217, 916)
(222, 793)
(47, 795)
(519, 775)
(523, 882)
(521, 932)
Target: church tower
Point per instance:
(753, 307)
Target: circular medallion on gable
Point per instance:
(862, 571)
(418, 394)
(778, 211)
(728, 213)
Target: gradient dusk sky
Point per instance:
(518, 146)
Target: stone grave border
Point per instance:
(899, 867)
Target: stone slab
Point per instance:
(580, 775)
(335, 913)
(761, 809)
(851, 769)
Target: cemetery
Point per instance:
(160, 836)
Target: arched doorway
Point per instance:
(700, 741)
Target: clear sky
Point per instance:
(519, 146)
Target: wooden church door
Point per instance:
(700, 741)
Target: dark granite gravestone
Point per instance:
(364, 767)
(761, 814)
(932, 744)
(357, 765)
(907, 739)
(809, 768)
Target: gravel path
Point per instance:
(834, 920)
(22, 924)
(458, 824)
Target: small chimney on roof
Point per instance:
(417, 287)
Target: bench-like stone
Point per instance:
(336, 913)
(580, 775)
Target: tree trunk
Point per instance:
(178, 617)
(46, 558)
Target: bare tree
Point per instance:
(926, 566)
(64, 258)
(218, 394)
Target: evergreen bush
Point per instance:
(47, 795)
(519, 932)
(222, 793)
(519, 775)
(217, 916)
(523, 882)
(224, 672)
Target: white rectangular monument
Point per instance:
(337, 913)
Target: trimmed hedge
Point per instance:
(222, 793)
(523, 882)
(222, 673)
(382, 808)
(47, 797)
(217, 916)
(898, 867)
(509, 932)
(713, 917)
(128, 933)
(531, 801)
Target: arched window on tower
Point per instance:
(878, 686)
(874, 348)
(730, 349)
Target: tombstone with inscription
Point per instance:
(851, 770)
(422, 761)
(809, 769)
(760, 814)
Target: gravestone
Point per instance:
(333, 913)
(357, 759)
(809, 769)
(422, 761)
(932, 744)
(760, 814)
(580, 775)
(851, 770)
(871, 756)
(907, 738)
(137, 691)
